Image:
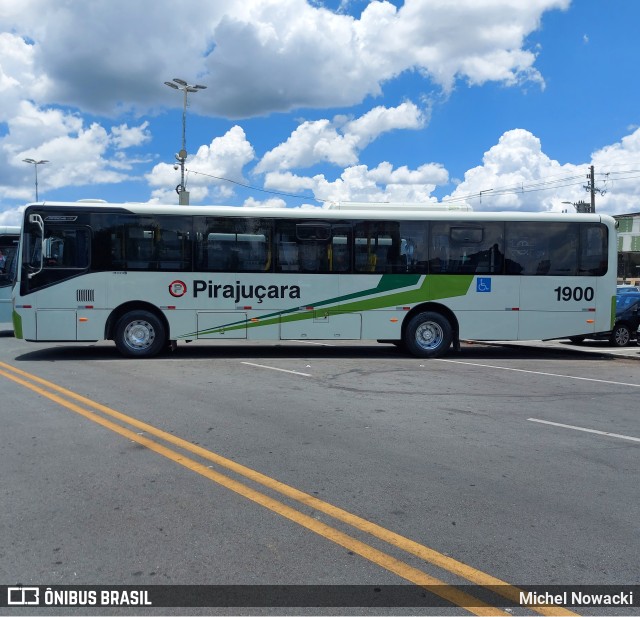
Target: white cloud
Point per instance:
(12, 216)
(616, 168)
(261, 56)
(515, 162)
(20, 78)
(384, 119)
(78, 155)
(338, 142)
(225, 157)
(310, 143)
(517, 175)
(125, 136)
(267, 203)
(258, 57)
(359, 183)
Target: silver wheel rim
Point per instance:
(429, 335)
(139, 334)
(622, 336)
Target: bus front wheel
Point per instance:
(140, 334)
(428, 335)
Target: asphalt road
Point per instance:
(309, 464)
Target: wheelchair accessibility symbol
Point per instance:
(483, 285)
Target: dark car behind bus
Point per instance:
(626, 325)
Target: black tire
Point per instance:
(140, 334)
(428, 335)
(576, 340)
(620, 335)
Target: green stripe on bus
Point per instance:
(387, 282)
(432, 288)
(17, 325)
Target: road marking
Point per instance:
(586, 430)
(520, 370)
(418, 577)
(273, 368)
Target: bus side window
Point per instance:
(563, 259)
(67, 248)
(377, 246)
(439, 253)
(563, 251)
(288, 256)
(593, 249)
(169, 253)
(69, 256)
(257, 255)
(137, 250)
(339, 254)
(313, 256)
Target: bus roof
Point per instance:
(9, 230)
(384, 205)
(389, 212)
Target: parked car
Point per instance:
(626, 325)
(622, 289)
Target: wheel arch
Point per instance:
(135, 305)
(435, 307)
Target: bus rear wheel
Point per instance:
(140, 334)
(428, 335)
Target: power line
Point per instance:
(256, 188)
(550, 183)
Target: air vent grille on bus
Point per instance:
(85, 295)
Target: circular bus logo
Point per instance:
(177, 289)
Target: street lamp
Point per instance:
(181, 84)
(35, 166)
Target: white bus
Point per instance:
(9, 238)
(148, 276)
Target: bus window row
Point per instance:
(242, 244)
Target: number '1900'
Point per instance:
(577, 294)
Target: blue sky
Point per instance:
(502, 104)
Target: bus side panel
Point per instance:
(5, 306)
(562, 306)
(488, 325)
(56, 325)
(383, 325)
(90, 324)
(322, 325)
(489, 310)
(181, 322)
(219, 325)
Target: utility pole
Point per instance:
(591, 187)
(582, 206)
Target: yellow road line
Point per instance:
(434, 585)
(430, 555)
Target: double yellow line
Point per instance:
(66, 398)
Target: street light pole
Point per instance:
(35, 166)
(181, 157)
